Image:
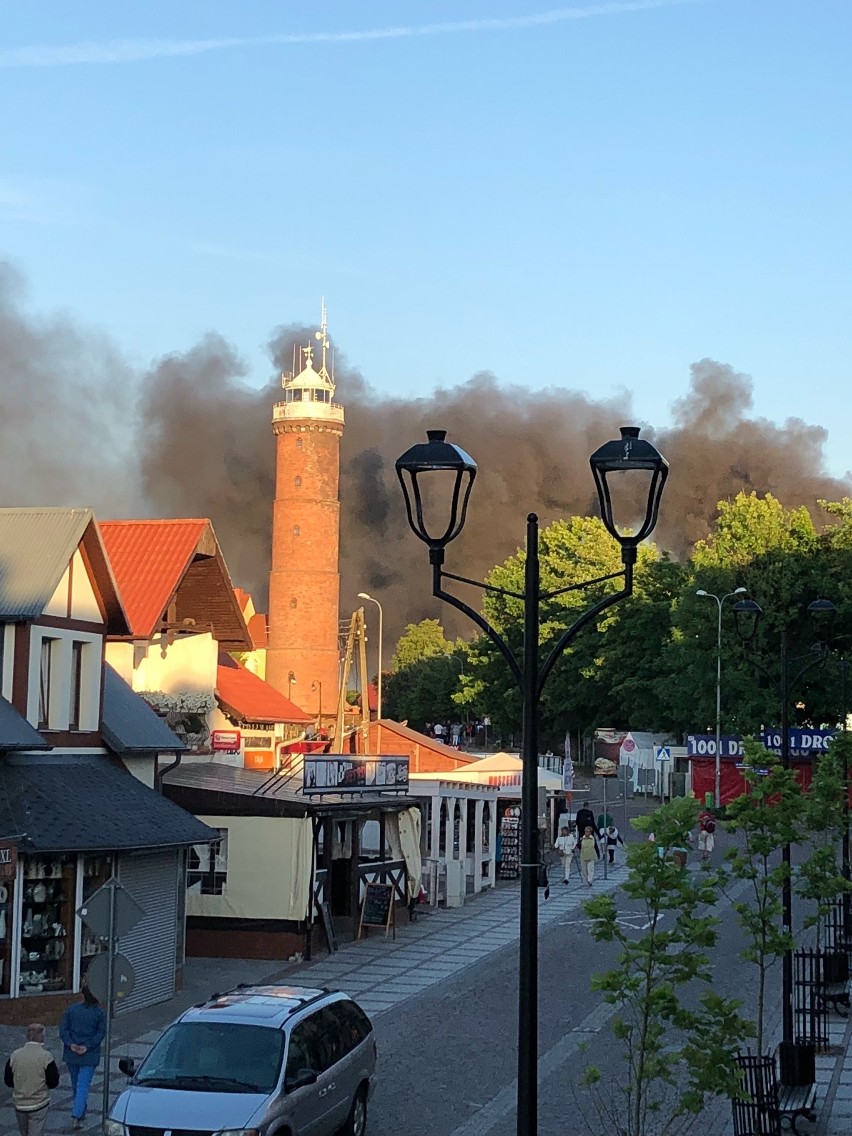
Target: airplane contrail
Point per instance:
(139, 50)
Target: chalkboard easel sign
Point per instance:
(328, 926)
(377, 910)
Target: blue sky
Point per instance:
(590, 195)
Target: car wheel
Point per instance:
(356, 1122)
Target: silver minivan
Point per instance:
(257, 1061)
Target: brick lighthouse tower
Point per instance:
(302, 659)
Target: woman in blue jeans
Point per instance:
(82, 1030)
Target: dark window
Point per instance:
(298, 443)
(296, 530)
(238, 1058)
(294, 603)
(314, 1043)
(46, 667)
(207, 866)
(78, 653)
(352, 1023)
(298, 483)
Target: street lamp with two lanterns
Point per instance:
(452, 470)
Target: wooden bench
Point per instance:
(795, 1103)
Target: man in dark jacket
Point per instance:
(31, 1073)
(586, 819)
(82, 1030)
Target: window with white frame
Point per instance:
(207, 866)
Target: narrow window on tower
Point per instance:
(294, 602)
(296, 530)
(298, 443)
(298, 483)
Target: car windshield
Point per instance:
(216, 1057)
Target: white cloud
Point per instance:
(139, 50)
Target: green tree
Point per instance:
(579, 691)
(818, 878)
(764, 818)
(427, 668)
(680, 1051)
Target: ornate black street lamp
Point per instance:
(452, 471)
(747, 614)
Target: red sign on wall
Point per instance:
(227, 740)
(8, 861)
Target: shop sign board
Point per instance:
(803, 743)
(8, 860)
(226, 741)
(377, 910)
(345, 773)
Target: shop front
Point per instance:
(114, 820)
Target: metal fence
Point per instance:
(810, 1007)
(757, 1113)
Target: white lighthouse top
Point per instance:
(310, 393)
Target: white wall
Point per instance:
(269, 869)
(84, 605)
(189, 663)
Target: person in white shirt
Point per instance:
(31, 1073)
(566, 842)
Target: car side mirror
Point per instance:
(127, 1065)
(300, 1080)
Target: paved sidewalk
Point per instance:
(380, 972)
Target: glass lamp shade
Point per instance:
(747, 615)
(822, 613)
(451, 473)
(627, 454)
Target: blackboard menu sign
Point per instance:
(377, 910)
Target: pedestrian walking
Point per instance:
(586, 818)
(589, 854)
(82, 1030)
(706, 833)
(612, 838)
(566, 842)
(31, 1073)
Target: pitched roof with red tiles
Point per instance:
(257, 631)
(153, 559)
(245, 697)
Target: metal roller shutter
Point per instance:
(151, 946)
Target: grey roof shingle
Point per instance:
(129, 723)
(15, 731)
(82, 805)
(35, 547)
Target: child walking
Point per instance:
(612, 838)
(589, 853)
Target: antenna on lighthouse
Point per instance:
(322, 336)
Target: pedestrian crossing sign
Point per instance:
(662, 753)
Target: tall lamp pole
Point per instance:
(748, 614)
(317, 685)
(720, 600)
(451, 468)
(364, 596)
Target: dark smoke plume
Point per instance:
(203, 446)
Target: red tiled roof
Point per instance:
(148, 559)
(245, 697)
(257, 631)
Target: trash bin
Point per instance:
(709, 800)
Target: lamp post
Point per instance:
(720, 600)
(317, 685)
(450, 467)
(747, 614)
(364, 596)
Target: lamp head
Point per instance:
(364, 596)
(822, 613)
(747, 615)
(701, 592)
(449, 469)
(634, 455)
